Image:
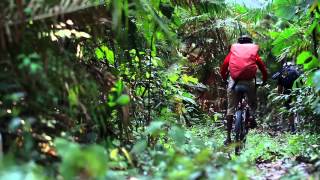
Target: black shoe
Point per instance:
(227, 142)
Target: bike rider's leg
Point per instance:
(291, 116)
(229, 129)
(292, 127)
(233, 99)
(252, 101)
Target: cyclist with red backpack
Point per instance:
(242, 63)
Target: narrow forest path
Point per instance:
(283, 168)
(277, 155)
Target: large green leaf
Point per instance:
(283, 40)
(284, 35)
(285, 8)
(308, 60)
(99, 54)
(123, 100)
(173, 77)
(104, 52)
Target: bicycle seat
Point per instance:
(241, 88)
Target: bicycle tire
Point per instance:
(239, 132)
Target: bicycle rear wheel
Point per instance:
(239, 130)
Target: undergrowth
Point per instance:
(263, 147)
(179, 153)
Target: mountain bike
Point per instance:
(241, 118)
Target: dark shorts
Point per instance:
(234, 98)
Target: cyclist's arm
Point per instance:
(224, 67)
(262, 68)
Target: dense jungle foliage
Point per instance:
(130, 89)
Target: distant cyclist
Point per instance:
(286, 77)
(241, 63)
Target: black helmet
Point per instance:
(245, 39)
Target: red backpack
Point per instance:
(242, 64)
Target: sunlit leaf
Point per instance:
(99, 54)
(104, 52)
(173, 77)
(189, 79)
(139, 90)
(63, 33)
(284, 35)
(308, 60)
(114, 154)
(123, 100)
(83, 34)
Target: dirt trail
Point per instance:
(278, 169)
(282, 168)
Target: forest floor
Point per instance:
(278, 157)
(282, 168)
(273, 155)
